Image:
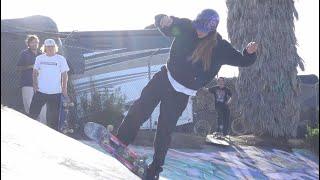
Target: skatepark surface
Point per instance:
(31, 150)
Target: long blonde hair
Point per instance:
(204, 50)
(44, 49)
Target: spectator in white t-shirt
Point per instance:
(50, 79)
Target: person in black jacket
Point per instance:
(196, 55)
(222, 98)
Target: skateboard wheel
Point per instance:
(126, 156)
(135, 163)
(140, 171)
(110, 128)
(106, 141)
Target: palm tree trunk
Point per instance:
(267, 90)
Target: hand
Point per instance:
(65, 93)
(22, 68)
(228, 102)
(165, 21)
(252, 47)
(35, 88)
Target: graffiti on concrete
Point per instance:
(244, 162)
(238, 163)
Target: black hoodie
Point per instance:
(193, 75)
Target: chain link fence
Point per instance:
(10, 90)
(12, 44)
(94, 54)
(109, 70)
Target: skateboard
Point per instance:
(64, 121)
(111, 144)
(217, 139)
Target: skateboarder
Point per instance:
(25, 66)
(197, 53)
(50, 79)
(222, 98)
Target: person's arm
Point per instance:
(21, 65)
(65, 84)
(64, 76)
(229, 96)
(172, 26)
(232, 57)
(22, 68)
(35, 75)
(229, 100)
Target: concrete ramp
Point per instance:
(31, 150)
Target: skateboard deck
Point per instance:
(64, 124)
(212, 139)
(111, 144)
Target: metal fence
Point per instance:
(12, 44)
(105, 61)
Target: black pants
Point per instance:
(172, 105)
(53, 105)
(223, 117)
